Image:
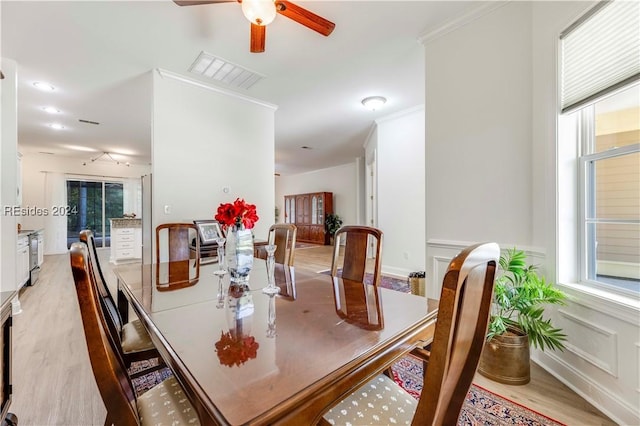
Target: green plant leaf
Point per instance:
(520, 297)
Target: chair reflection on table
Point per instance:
(358, 303)
(285, 279)
(177, 263)
(176, 275)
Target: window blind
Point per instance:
(600, 53)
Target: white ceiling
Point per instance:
(98, 54)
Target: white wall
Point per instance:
(400, 190)
(206, 140)
(8, 167)
(491, 126)
(342, 181)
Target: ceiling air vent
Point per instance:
(89, 122)
(218, 69)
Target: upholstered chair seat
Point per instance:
(380, 402)
(166, 404)
(135, 337)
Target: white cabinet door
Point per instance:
(22, 262)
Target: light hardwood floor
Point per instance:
(53, 383)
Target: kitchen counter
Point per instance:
(5, 298)
(29, 232)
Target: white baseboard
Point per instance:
(601, 398)
(391, 271)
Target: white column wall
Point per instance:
(400, 190)
(209, 147)
(8, 167)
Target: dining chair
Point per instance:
(356, 251)
(174, 247)
(283, 235)
(131, 339)
(165, 403)
(461, 328)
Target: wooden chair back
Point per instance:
(356, 249)
(283, 235)
(109, 372)
(174, 245)
(461, 329)
(107, 302)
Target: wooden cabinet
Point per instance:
(308, 212)
(6, 387)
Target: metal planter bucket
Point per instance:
(505, 359)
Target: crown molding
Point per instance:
(462, 20)
(174, 76)
(399, 114)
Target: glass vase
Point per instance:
(239, 254)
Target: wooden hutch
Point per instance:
(308, 212)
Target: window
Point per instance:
(610, 194)
(600, 102)
(95, 203)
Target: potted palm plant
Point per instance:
(332, 222)
(520, 296)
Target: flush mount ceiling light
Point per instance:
(51, 110)
(46, 87)
(373, 102)
(56, 126)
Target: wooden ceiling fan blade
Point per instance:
(258, 38)
(305, 17)
(197, 2)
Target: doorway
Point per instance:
(91, 205)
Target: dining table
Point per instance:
(248, 357)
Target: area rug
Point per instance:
(147, 381)
(393, 283)
(481, 407)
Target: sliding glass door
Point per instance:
(94, 203)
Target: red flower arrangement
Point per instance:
(236, 351)
(237, 213)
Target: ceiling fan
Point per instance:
(261, 12)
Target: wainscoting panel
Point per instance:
(438, 268)
(590, 341)
(440, 253)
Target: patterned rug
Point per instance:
(393, 283)
(481, 406)
(143, 383)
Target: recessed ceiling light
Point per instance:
(374, 102)
(81, 148)
(51, 110)
(44, 86)
(56, 126)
